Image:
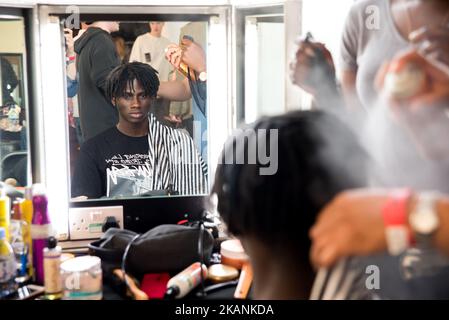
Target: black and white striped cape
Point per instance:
(175, 161)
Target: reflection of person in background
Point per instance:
(149, 48)
(96, 58)
(73, 83)
(9, 81)
(14, 121)
(120, 45)
(138, 155)
(272, 214)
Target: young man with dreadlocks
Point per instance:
(138, 155)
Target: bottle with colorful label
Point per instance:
(5, 212)
(26, 207)
(20, 248)
(40, 230)
(7, 267)
(52, 270)
(181, 284)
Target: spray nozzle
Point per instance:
(171, 292)
(52, 242)
(309, 37)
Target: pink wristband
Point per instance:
(395, 215)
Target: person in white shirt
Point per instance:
(150, 47)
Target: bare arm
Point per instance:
(71, 70)
(348, 80)
(175, 90)
(352, 224)
(71, 67)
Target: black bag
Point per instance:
(165, 248)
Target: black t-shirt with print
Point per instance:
(112, 164)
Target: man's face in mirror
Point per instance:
(156, 28)
(134, 105)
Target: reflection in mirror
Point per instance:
(134, 132)
(13, 104)
(264, 66)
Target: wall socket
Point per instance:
(86, 223)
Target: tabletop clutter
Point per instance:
(170, 261)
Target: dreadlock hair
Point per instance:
(124, 75)
(318, 156)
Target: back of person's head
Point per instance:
(317, 157)
(120, 46)
(123, 76)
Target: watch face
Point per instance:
(203, 76)
(424, 222)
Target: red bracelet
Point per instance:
(395, 215)
(71, 58)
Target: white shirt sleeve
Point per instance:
(135, 51)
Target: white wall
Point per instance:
(270, 99)
(171, 30)
(325, 19)
(12, 37)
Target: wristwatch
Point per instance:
(202, 76)
(424, 219)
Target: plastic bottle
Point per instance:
(7, 266)
(40, 230)
(52, 273)
(26, 207)
(181, 284)
(17, 229)
(5, 212)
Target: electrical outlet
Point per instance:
(86, 223)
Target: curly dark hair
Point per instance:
(318, 156)
(124, 75)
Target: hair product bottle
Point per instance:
(5, 212)
(52, 273)
(40, 230)
(181, 284)
(27, 215)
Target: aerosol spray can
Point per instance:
(40, 230)
(52, 270)
(181, 284)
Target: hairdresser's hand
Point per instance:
(437, 90)
(433, 42)
(312, 67)
(193, 55)
(174, 119)
(351, 224)
(173, 53)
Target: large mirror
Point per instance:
(60, 147)
(260, 62)
(109, 159)
(13, 102)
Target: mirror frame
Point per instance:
(55, 167)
